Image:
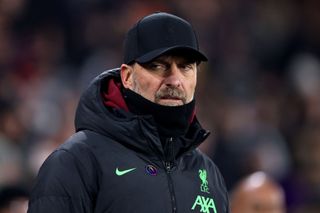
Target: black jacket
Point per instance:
(115, 162)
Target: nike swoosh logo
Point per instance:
(123, 172)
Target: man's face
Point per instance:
(167, 80)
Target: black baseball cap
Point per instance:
(160, 33)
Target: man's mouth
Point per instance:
(171, 101)
(171, 97)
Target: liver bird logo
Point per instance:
(204, 182)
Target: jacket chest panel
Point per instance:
(133, 184)
(196, 192)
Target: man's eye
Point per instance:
(156, 66)
(187, 66)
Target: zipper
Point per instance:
(168, 167)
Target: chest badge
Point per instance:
(151, 170)
(203, 203)
(203, 177)
(123, 172)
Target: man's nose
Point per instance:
(173, 77)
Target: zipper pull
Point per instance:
(168, 166)
(169, 154)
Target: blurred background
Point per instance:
(259, 94)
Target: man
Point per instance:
(258, 193)
(137, 133)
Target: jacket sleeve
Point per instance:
(63, 185)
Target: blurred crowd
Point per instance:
(259, 94)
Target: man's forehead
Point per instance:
(174, 57)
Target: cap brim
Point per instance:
(197, 55)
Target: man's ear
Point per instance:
(126, 72)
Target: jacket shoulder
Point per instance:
(69, 175)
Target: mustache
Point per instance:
(171, 92)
